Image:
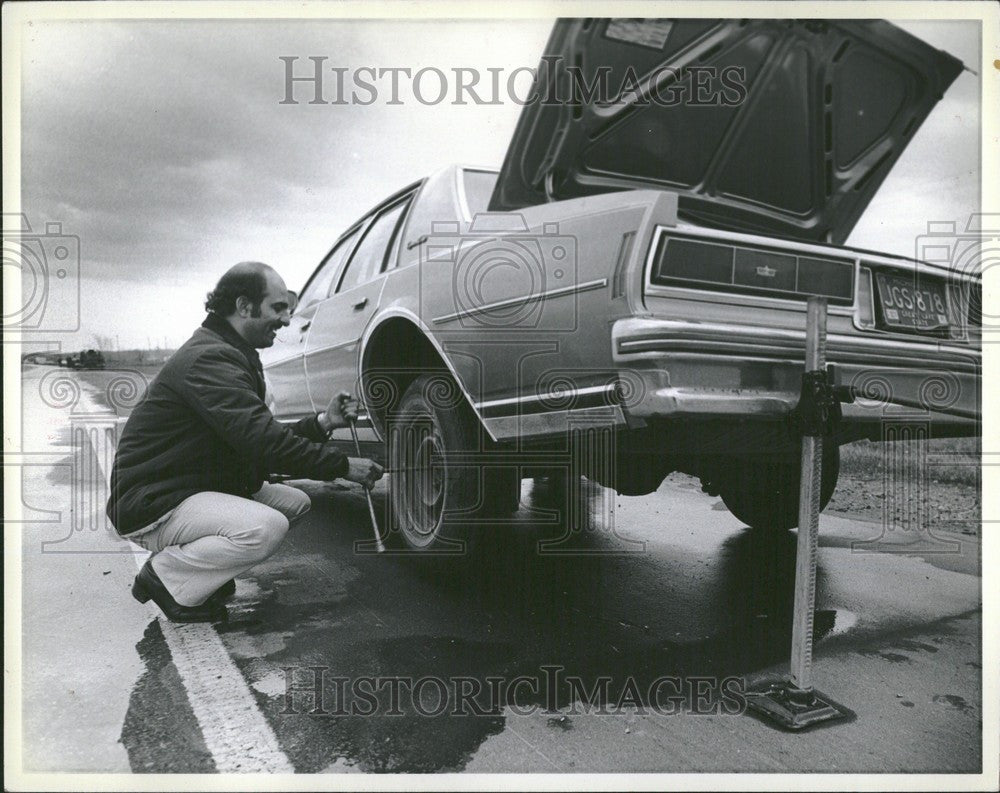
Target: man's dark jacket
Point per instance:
(204, 426)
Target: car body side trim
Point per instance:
(563, 291)
(337, 346)
(555, 422)
(568, 394)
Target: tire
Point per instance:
(764, 493)
(618, 468)
(434, 497)
(502, 490)
(638, 476)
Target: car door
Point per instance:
(331, 355)
(284, 363)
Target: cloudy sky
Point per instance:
(165, 148)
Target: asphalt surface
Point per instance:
(626, 592)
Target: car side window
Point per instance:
(321, 286)
(370, 257)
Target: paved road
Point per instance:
(668, 587)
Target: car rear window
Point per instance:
(478, 189)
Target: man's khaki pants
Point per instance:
(212, 537)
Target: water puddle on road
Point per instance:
(843, 621)
(394, 664)
(160, 733)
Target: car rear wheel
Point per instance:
(437, 497)
(764, 492)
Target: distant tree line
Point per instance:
(98, 359)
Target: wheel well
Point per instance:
(397, 353)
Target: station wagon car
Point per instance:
(626, 297)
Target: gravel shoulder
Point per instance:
(948, 506)
(912, 484)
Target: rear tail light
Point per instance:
(752, 270)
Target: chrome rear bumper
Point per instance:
(673, 368)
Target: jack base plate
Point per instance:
(793, 708)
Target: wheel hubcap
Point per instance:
(422, 479)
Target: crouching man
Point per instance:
(188, 481)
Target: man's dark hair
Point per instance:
(246, 279)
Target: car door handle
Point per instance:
(418, 241)
(361, 304)
(305, 327)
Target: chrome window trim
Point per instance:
(463, 200)
(354, 227)
(392, 262)
(362, 224)
(405, 197)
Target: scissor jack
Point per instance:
(793, 703)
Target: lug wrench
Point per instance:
(379, 547)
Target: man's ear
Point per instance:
(243, 306)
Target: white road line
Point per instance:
(235, 731)
(531, 746)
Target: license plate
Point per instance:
(906, 304)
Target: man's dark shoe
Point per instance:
(223, 593)
(149, 586)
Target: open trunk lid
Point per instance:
(778, 127)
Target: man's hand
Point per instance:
(363, 471)
(343, 409)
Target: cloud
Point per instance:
(163, 145)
